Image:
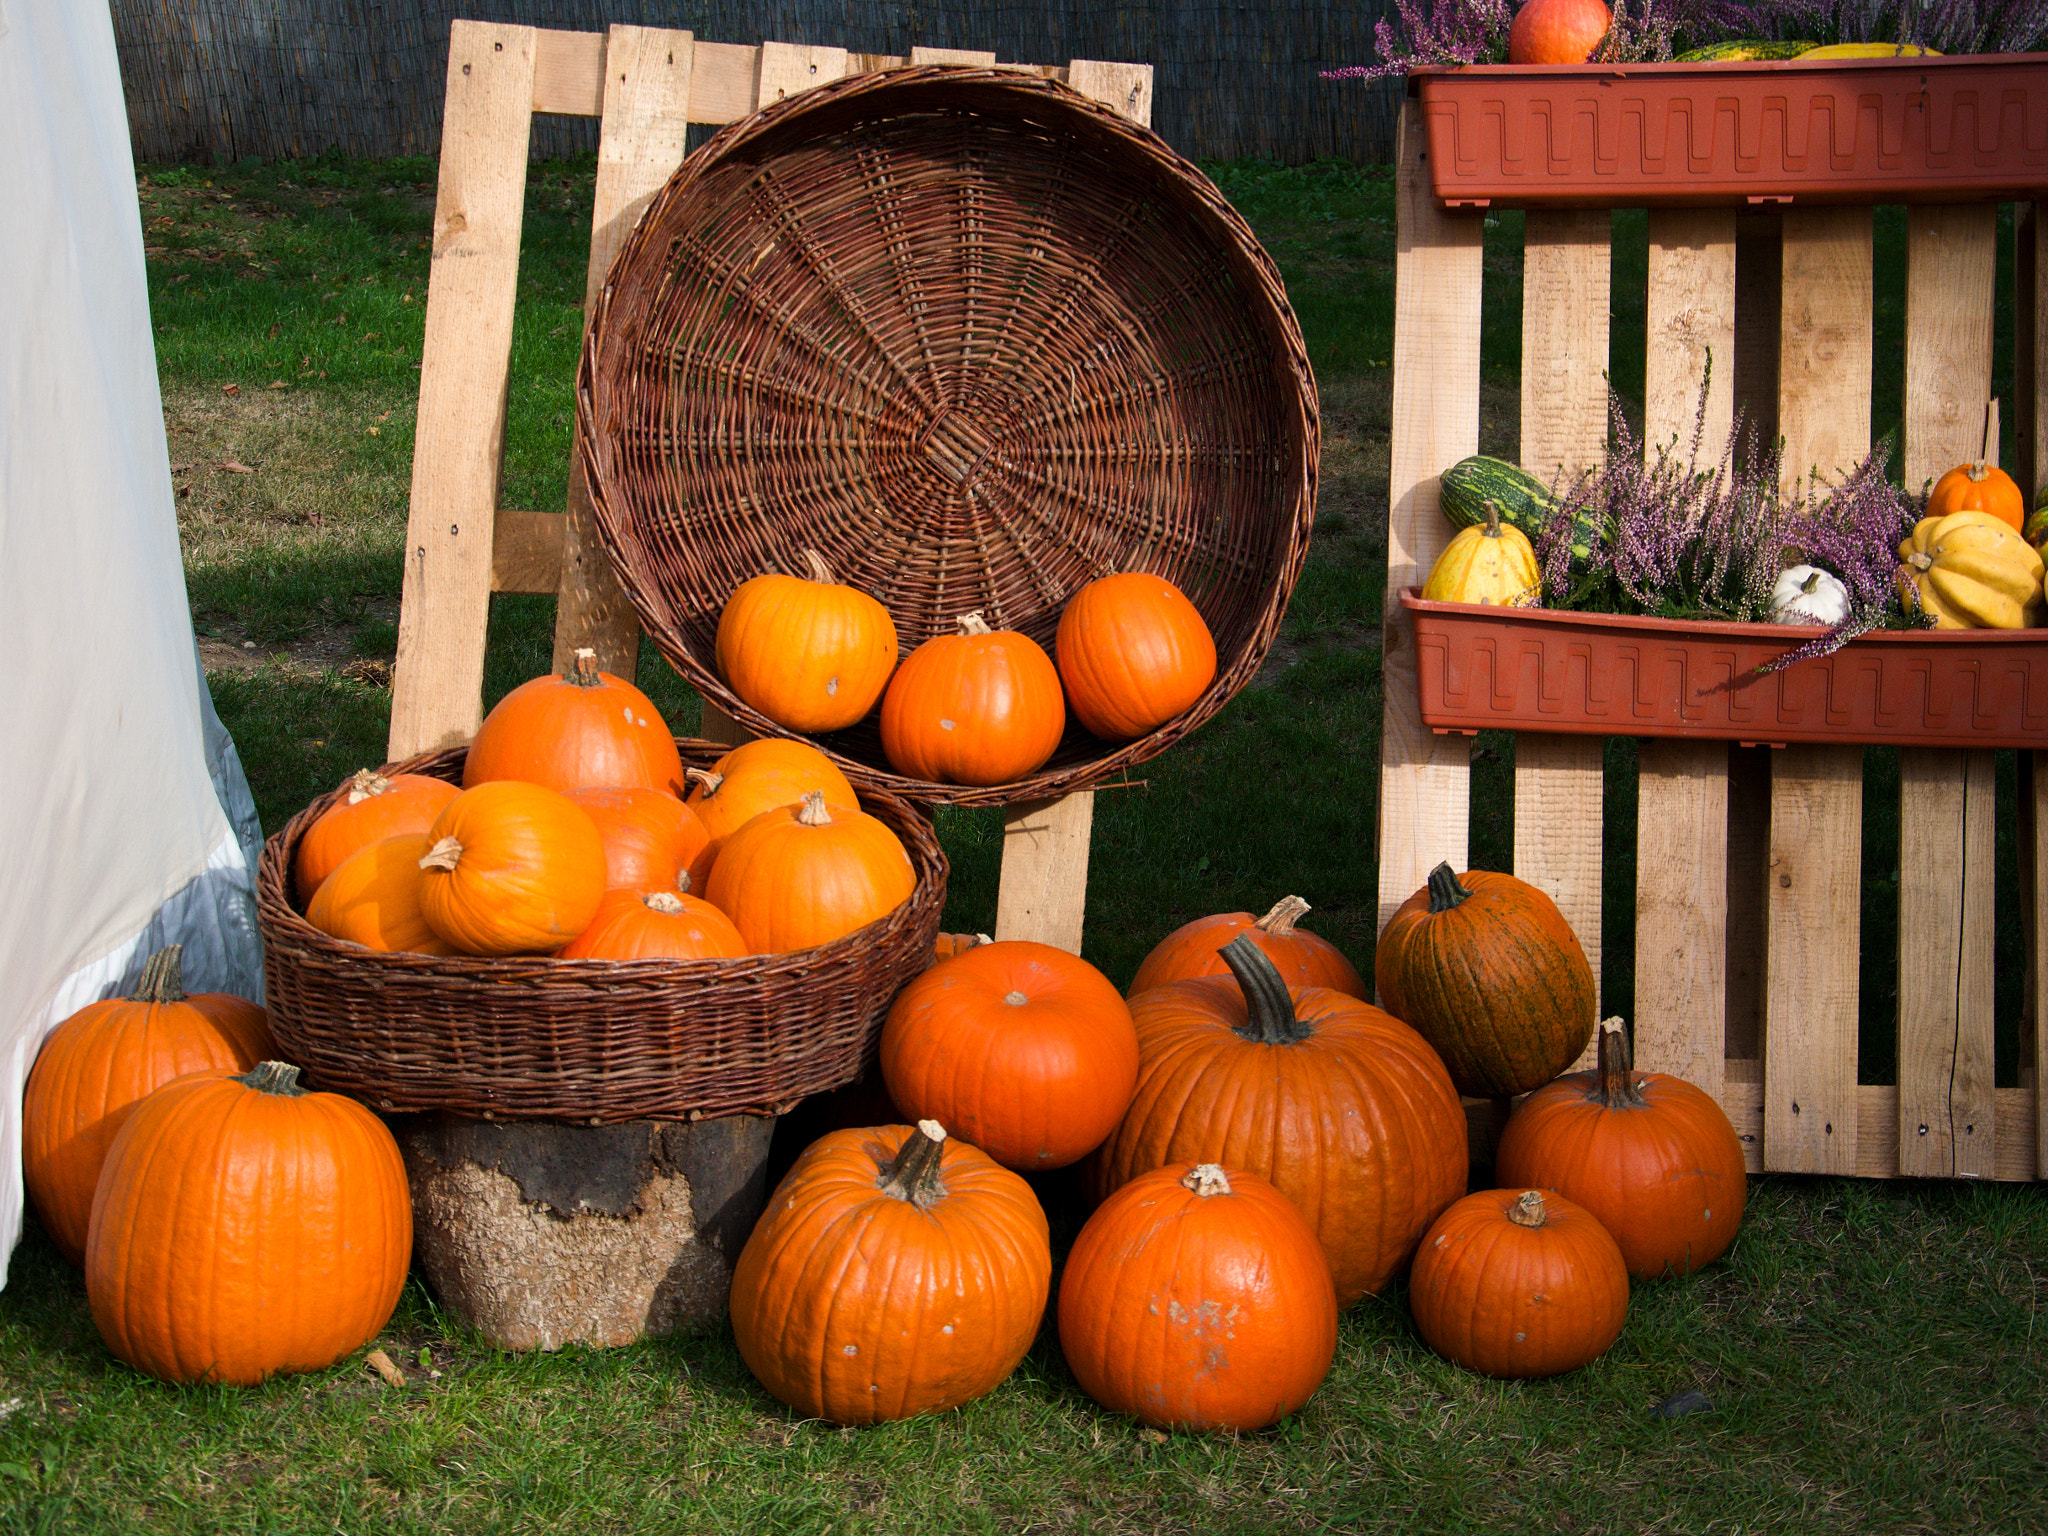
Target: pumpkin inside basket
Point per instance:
(976, 341)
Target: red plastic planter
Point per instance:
(1593, 674)
(1943, 130)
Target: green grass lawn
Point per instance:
(1873, 1352)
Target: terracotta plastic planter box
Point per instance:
(1595, 674)
(1941, 130)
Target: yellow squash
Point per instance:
(1491, 564)
(1867, 51)
(1971, 571)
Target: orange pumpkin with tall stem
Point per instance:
(581, 730)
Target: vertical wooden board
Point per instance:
(1816, 882)
(568, 73)
(1559, 784)
(1759, 294)
(1044, 892)
(1690, 328)
(641, 142)
(1951, 265)
(1125, 87)
(437, 684)
(1824, 342)
(1425, 779)
(2030, 351)
(1681, 910)
(787, 68)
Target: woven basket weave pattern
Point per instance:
(978, 341)
(587, 1040)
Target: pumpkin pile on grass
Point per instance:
(577, 833)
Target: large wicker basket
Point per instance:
(975, 339)
(587, 1040)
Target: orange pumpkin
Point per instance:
(947, 945)
(656, 925)
(753, 777)
(371, 809)
(1979, 487)
(896, 1271)
(1026, 1051)
(373, 899)
(1132, 654)
(803, 875)
(1304, 960)
(513, 868)
(97, 1065)
(1519, 1284)
(1342, 1106)
(1197, 1298)
(1557, 31)
(582, 730)
(979, 707)
(246, 1227)
(1650, 1155)
(809, 653)
(650, 837)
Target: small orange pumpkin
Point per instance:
(650, 837)
(513, 868)
(753, 777)
(97, 1065)
(979, 707)
(372, 808)
(656, 925)
(373, 899)
(809, 653)
(1979, 487)
(803, 875)
(1132, 654)
(582, 730)
(1303, 958)
(950, 944)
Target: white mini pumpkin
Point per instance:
(1806, 594)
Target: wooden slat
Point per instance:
(526, 554)
(1816, 881)
(1877, 1121)
(1690, 322)
(2030, 350)
(787, 68)
(1044, 892)
(1951, 266)
(1126, 87)
(974, 56)
(1425, 779)
(723, 82)
(437, 686)
(1824, 342)
(568, 72)
(642, 140)
(1559, 783)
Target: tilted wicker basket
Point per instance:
(975, 339)
(597, 1041)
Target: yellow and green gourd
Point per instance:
(1493, 564)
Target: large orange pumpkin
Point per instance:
(896, 1271)
(753, 777)
(246, 1227)
(650, 837)
(373, 899)
(1650, 1155)
(1026, 1051)
(582, 730)
(1132, 653)
(1486, 967)
(1304, 959)
(372, 808)
(1557, 31)
(1342, 1106)
(803, 875)
(1520, 1284)
(656, 925)
(809, 653)
(1979, 487)
(513, 868)
(979, 707)
(97, 1065)
(1197, 1298)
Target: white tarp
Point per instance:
(127, 823)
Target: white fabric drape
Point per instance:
(128, 824)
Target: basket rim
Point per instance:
(1015, 92)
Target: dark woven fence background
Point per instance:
(225, 79)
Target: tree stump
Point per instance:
(541, 1234)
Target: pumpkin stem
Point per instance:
(705, 780)
(1280, 921)
(1206, 1179)
(366, 784)
(1528, 1211)
(1919, 561)
(814, 813)
(1270, 1018)
(819, 570)
(1811, 584)
(1613, 1083)
(668, 903)
(162, 981)
(974, 624)
(443, 855)
(1492, 528)
(583, 669)
(280, 1078)
(914, 1173)
(1444, 890)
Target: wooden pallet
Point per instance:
(1748, 859)
(646, 85)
